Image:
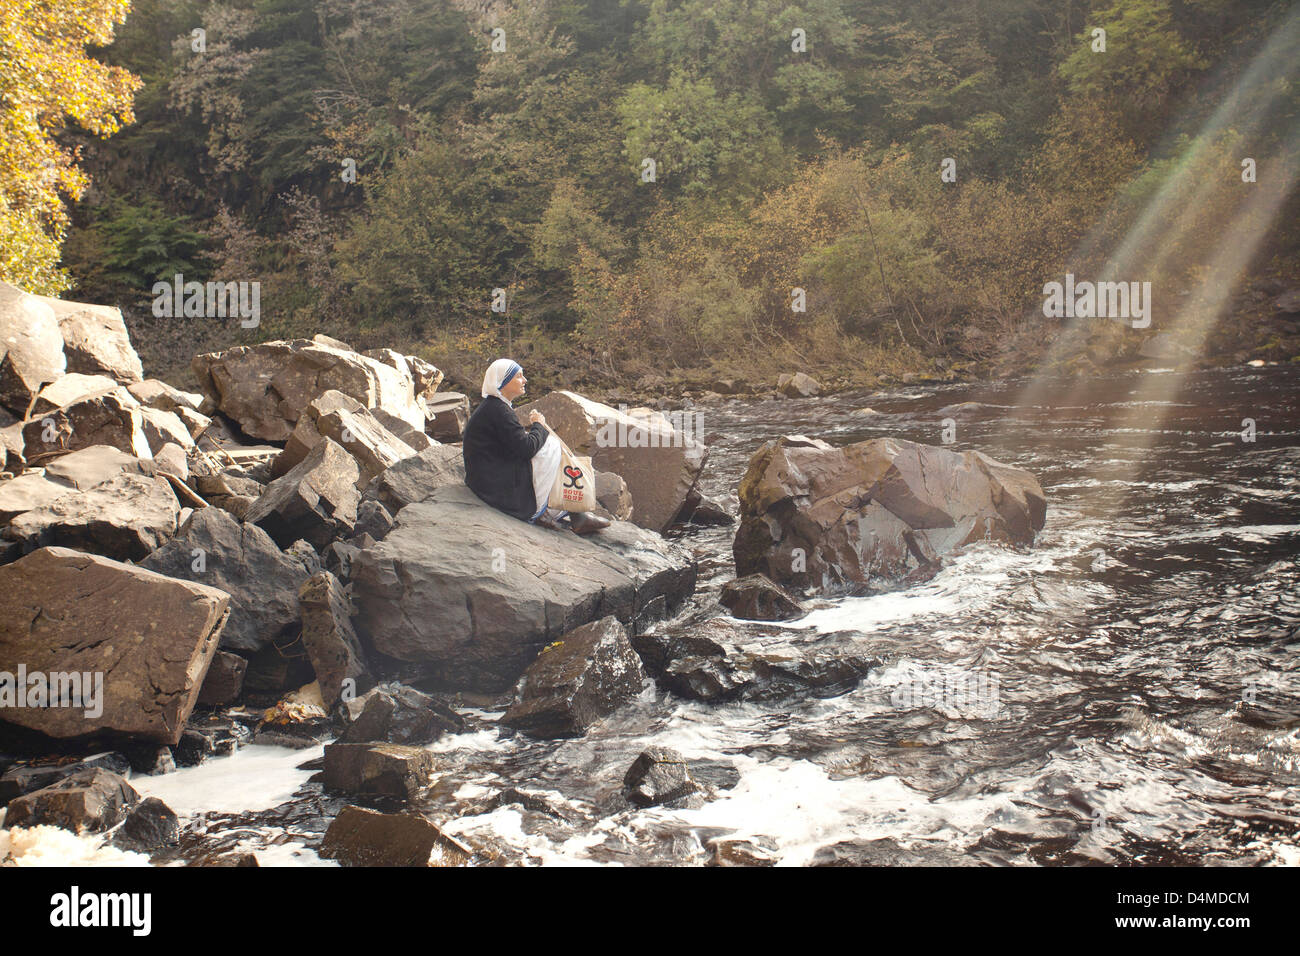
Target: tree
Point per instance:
(47, 78)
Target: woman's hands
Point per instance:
(534, 417)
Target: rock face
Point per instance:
(448, 412)
(225, 680)
(86, 801)
(125, 518)
(353, 426)
(817, 516)
(266, 388)
(361, 837)
(660, 463)
(31, 347)
(213, 548)
(327, 633)
(150, 637)
(316, 500)
(587, 675)
(755, 598)
(467, 595)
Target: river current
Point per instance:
(1125, 692)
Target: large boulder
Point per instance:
(380, 770)
(102, 418)
(467, 595)
(68, 388)
(31, 347)
(660, 462)
(344, 419)
(125, 518)
(797, 385)
(316, 500)
(95, 340)
(813, 515)
(588, 674)
(215, 549)
(149, 637)
(78, 470)
(87, 801)
(447, 413)
(266, 387)
(363, 837)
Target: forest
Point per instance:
(626, 194)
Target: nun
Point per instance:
(510, 467)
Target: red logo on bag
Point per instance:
(574, 475)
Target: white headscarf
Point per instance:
(498, 374)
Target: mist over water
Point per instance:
(1147, 686)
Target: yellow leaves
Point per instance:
(48, 78)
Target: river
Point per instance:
(1140, 678)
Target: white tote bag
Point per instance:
(575, 483)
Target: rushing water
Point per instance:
(1140, 697)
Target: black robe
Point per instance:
(498, 457)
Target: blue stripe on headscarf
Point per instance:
(514, 370)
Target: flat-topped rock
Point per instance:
(468, 595)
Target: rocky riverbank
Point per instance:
(291, 559)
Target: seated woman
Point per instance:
(510, 467)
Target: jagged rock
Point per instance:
(329, 638)
(151, 825)
(613, 496)
(426, 376)
(415, 439)
(361, 837)
(817, 516)
(797, 385)
(87, 801)
(447, 413)
(468, 595)
(150, 637)
(397, 714)
(415, 479)
(755, 598)
(388, 770)
(316, 500)
(720, 661)
(163, 428)
(659, 775)
(125, 517)
(352, 425)
(304, 552)
(711, 512)
(588, 674)
(26, 778)
(659, 462)
(265, 388)
(11, 444)
(105, 418)
(78, 470)
(95, 340)
(68, 388)
(169, 459)
(241, 559)
(373, 519)
(225, 680)
(31, 347)
(155, 393)
(339, 557)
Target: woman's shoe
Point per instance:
(582, 522)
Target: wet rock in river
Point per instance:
(87, 801)
(150, 826)
(24, 778)
(331, 642)
(588, 674)
(394, 713)
(389, 770)
(362, 837)
(659, 775)
(817, 516)
(756, 598)
(718, 660)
